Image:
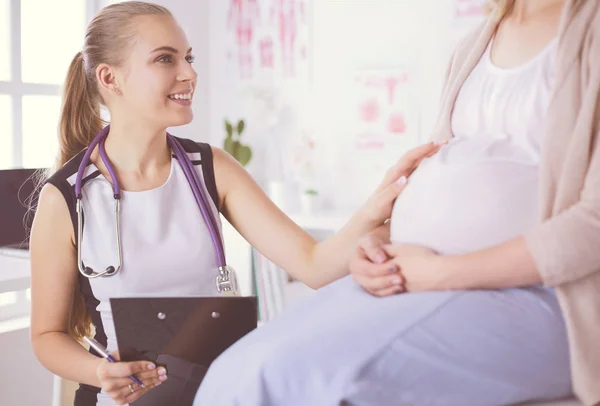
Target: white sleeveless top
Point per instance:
(486, 179)
(167, 248)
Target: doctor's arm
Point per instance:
(53, 280)
(283, 242)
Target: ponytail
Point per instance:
(79, 122)
(80, 116)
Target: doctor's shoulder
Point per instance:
(229, 172)
(52, 218)
(55, 207)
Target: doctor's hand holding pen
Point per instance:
(116, 381)
(125, 382)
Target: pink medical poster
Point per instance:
(469, 8)
(385, 108)
(268, 36)
(243, 17)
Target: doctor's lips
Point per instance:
(184, 97)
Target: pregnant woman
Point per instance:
(483, 290)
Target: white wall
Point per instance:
(345, 36)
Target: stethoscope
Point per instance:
(226, 280)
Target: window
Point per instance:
(6, 140)
(38, 40)
(5, 60)
(59, 44)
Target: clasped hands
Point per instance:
(384, 269)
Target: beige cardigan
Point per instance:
(566, 243)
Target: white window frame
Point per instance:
(16, 88)
(14, 271)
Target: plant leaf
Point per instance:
(228, 146)
(228, 128)
(236, 149)
(240, 127)
(244, 154)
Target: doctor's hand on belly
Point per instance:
(378, 207)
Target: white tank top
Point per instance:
(482, 188)
(167, 248)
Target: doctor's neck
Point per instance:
(136, 150)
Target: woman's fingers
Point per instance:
(153, 374)
(126, 395)
(392, 290)
(149, 379)
(371, 247)
(379, 207)
(363, 266)
(125, 391)
(409, 162)
(123, 369)
(374, 253)
(376, 283)
(115, 380)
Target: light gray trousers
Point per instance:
(345, 347)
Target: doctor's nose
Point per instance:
(187, 73)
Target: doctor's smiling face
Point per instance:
(156, 82)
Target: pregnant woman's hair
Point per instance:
(497, 6)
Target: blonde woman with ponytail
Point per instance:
(136, 61)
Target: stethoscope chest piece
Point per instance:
(226, 281)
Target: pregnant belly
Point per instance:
(465, 207)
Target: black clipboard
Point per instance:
(185, 335)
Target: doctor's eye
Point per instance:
(164, 59)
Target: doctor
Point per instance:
(137, 62)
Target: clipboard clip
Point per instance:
(226, 281)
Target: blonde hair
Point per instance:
(497, 8)
(107, 38)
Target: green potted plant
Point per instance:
(309, 201)
(232, 144)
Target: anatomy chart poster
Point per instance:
(267, 37)
(385, 109)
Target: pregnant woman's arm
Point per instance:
(503, 266)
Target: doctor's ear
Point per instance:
(106, 78)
